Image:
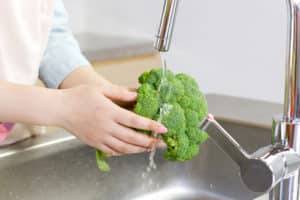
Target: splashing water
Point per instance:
(164, 110)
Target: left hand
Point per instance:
(120, 95)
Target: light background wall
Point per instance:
(233, 47)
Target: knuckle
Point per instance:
(123, 148)
(111, 153)
(151, 125)
(132, 137)
(134, 120)
(146, 141)
(139, 139)
(103, 148)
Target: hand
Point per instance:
(87, 76)
(100, 123)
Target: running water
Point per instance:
(164, 110)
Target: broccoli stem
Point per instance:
(101, 161)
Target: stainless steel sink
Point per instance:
(67, 170)
(59, 167)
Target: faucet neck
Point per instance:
(292, 84)
(165, 31)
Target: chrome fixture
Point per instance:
(165, 31)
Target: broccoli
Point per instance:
(148, 101)
(101, 161)
(188, 107)
(177, 102)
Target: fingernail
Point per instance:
(162, 129)
(133, 94)
(161, 144)
(152, 144)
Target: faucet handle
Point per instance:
(224, 140)
(260, 171)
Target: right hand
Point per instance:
(100, 123)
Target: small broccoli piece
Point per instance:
(178, 147)
(193, 98)
(193, 151)
(101, 161)
(147, 102)
(190, 85)
(174, 119)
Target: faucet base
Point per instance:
(286, 190)
(287, 133)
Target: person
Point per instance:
(36, 41)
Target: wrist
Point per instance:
(61, 110)
(54, 113)
(83, 76)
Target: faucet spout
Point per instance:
(165, 31)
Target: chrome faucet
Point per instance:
(274, 168)
(165, 31)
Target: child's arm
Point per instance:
(84, 110)
(29, 104)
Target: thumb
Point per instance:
(118, 93)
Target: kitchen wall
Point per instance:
(233, 47)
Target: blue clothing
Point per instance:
(62, 55)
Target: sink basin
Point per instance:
(61, 168)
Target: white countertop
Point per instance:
(99, 47)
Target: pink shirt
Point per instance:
(5, 128)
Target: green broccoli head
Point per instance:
(187, 107)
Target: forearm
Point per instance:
(29, 104)
(83, 75)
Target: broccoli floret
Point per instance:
(147, 102)
(177, 102)
(174, 119)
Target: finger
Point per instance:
(118, 93)
(133, 120)
(161, 144)
(132, 89)
(107, 150)
(128, 105)
(132, 137)
(124, 148)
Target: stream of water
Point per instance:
(164, 109)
